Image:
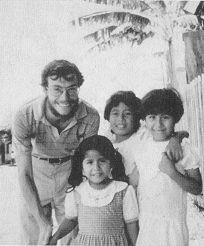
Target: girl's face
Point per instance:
(121, 120)
(97, 169)
(161, 126)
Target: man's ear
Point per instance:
(83, 172)
(45, 88)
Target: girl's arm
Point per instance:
(134, 177)
(131, 214)
(191, 182)
(132, 229)
(174, 150)
(65, 227)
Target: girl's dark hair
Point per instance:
(61, 68)
(167, 101)
(105, 148)
(128, 98)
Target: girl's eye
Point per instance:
(165, 117)
(88, 162)
(128, 114)
(114, 113)
(103, 160)
(151, 117)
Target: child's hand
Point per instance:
(174, 150)
(53, 241)
(166, 165)
(45, 233)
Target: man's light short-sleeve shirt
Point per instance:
(33, 133)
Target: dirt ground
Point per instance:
(9, 216)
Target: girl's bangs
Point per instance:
(100, 144)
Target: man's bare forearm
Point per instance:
(30, 195)
(28, 187)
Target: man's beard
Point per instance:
(73, 104)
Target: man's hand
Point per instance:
(45, 233)
(166, 165)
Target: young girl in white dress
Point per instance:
(163, 182)
(103, 205)
(123, 112)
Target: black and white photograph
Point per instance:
(102, 122)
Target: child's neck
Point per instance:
(101, 185)
(119, 138)
(162, 140)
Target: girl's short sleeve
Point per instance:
(71, 204)
(128, 160)
(191, 159)
(130, 205)
(127, 151)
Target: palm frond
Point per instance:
(107, 27)
(125, 4)
(133, 19)
(103, 33)
(114, 17)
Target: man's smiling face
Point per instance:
(62, 94)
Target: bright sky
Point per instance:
(35, 32)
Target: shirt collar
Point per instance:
(38, 108)
(81, 111)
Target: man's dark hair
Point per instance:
(129, 99)
(60, 68)
(163, 101)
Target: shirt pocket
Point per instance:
(81, 131)
(75, 137)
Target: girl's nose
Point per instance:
(121, 118)
(96, 165)
(158, 121)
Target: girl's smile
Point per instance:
(97, 169)
(161, 126)
(121, 121)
